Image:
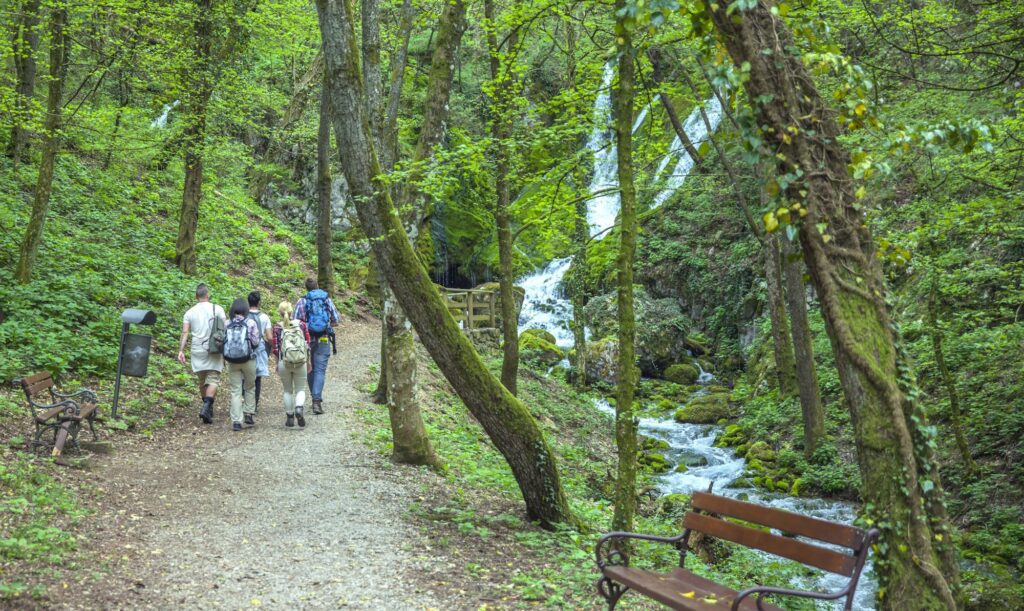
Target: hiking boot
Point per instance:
(236, 427)
(249, 420)
(318, 406)
(289, 420)
(206, 413)
(298, 416)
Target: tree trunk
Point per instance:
(581, 235)
(23, 49)
(625, 413)
(411, 443)
(505, 419)
(806, 369)
(955, 413)
(398, 63)
(195, 106)
(370, 32)
(785, 366)
(501, 110)
(899, 485)
(658, 75)
(324, 225)
(51, 144)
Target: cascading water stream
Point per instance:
(546, 307)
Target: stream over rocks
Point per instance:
(546, 307)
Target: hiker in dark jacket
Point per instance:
(318, 312)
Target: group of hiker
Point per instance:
(241, 343)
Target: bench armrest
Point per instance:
(608, 555)
(760, 591)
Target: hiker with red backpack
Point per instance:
(205, 321)
(291, 347)
(241, 338)
(318, 312)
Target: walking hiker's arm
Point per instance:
(185, 327)
(335, 315)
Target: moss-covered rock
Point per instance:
(654, 462)
(681, 373)
(661, 328)
(706, 409)
(650, 443)
(798, 487)
(541, 333)
(673, 504)
(692, 459)
(681, 469)
(602, 361)
(760, 451)
(534, 347)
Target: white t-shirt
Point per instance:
(200, 322)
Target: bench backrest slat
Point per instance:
(786, 521)
(806, 553)
(36, 383)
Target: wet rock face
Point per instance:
(661, 329)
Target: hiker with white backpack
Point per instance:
(291, 347)
(318, 312)
(241, 338)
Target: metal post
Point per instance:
(120, 362)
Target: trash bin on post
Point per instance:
(133, 355)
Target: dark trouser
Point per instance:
(259, 380)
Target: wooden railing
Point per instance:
(472, 308)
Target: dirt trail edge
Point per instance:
(270, 517)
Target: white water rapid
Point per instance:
(161, 121)
(545, 306)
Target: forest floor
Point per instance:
(201, 517)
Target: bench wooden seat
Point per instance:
(62, 415)
(717, 516)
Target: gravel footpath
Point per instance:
(270, 517)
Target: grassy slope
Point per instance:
(108, 246)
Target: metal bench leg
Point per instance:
(92, 429)
(611, 591)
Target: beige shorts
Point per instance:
(208, 377)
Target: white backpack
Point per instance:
(293, 344)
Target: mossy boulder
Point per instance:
(681, 469)
(798, 487)
(650, 443)
(541, 333)
(602, 361)
(692, 459)
(681, 373)
(732, 436)
(706, 409)
(654, 462)
(661, 328)
(760, 451)
(673, 504)
(536, 348)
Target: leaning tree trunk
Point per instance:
(500, 124)
(194, 143)
(625, 414)
(324, 233)
(505, 419)
(24, 45)
(803, 350)
(411, 443)
(51, 143)
(899, 482)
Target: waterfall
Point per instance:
(697, 131)
(161, 121)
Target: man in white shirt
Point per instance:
(199, 322)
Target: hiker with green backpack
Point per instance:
(291, 347)
(206, 323)
(318, 312)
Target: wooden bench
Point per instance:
(63, 415)
(681, 589)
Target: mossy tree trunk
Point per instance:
(955, 412)
(625, 413)
(502, 107)
(25, 43)
(785, 364)
(324, 225)
(806, 369)
(505, 419)
(581, 236)
(196, 99)
(411, 444)
(51, 144)
(900, 485)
